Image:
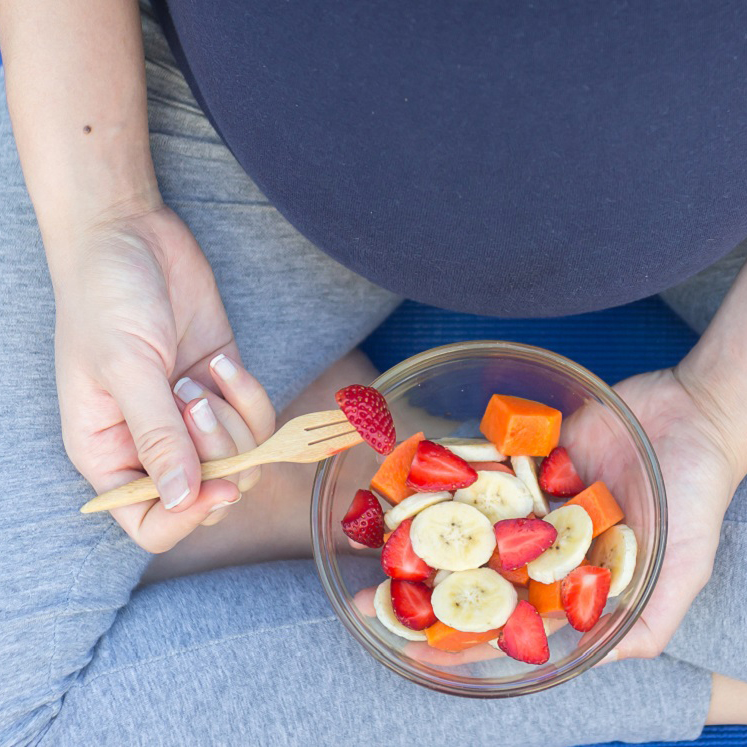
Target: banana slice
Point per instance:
(411, 506)
(498, 495)
(568, 551)
(440, 576)
(526, 471)
(616, 549)
(474, 601)
(452, 536)
(472, 449)
(385, 613)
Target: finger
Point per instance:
(212, 441)
(246, 395)
(364, 601)
(421, 651)
(210, 437)
(163, 445)
(218, 513)
(156, 529)
(187, 389)
(639, 643)
(426, 654)
(665, 610)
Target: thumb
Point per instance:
(674, 594)
(163, 444)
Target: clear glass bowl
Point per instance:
(444, 392)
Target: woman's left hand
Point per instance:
(700, 471)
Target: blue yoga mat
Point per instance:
(614, 344)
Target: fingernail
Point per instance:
(187, 390)
(204, 416)
(223, 367)
(173, 487)
(223, 504)
(611, 656)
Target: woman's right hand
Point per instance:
(138, 310)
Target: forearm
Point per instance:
(715, 371)
(75, 79)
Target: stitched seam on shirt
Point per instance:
(66, 607)
(202, 646)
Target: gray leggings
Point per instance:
(250, 655)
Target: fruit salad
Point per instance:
(486, 540)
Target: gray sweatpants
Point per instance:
(251, 655)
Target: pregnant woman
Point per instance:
(276, 191)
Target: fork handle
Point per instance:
(145, 489)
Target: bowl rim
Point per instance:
(611, 399)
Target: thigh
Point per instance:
(254, 656)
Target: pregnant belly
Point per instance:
(492, 157)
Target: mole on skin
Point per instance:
(87, 129)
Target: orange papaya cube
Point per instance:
(601, 506)
(545, 598)
(445, 638)
(390, 480)
(521, 427)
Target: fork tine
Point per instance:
(315, 420)
(324, 433)
(330, 446)
(318, 426)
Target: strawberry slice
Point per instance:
(558, 476)
(520, 541)
(523, 636)
(364, 521)
(399, 560)
(411, 601)
(583, 594)
(436, 468)
(367, 411)
(491, 467)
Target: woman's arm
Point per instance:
(715, 373)
(75, 78)
(696, 417)
(137, 306)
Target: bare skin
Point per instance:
(728, 701)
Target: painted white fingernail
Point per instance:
(223, 504)
(204, 416)
(223, 367)
(187, 390)
(173, 487)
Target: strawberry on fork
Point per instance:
(367, 410)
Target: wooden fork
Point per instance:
(308, 438)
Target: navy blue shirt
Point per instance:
(493, 156)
